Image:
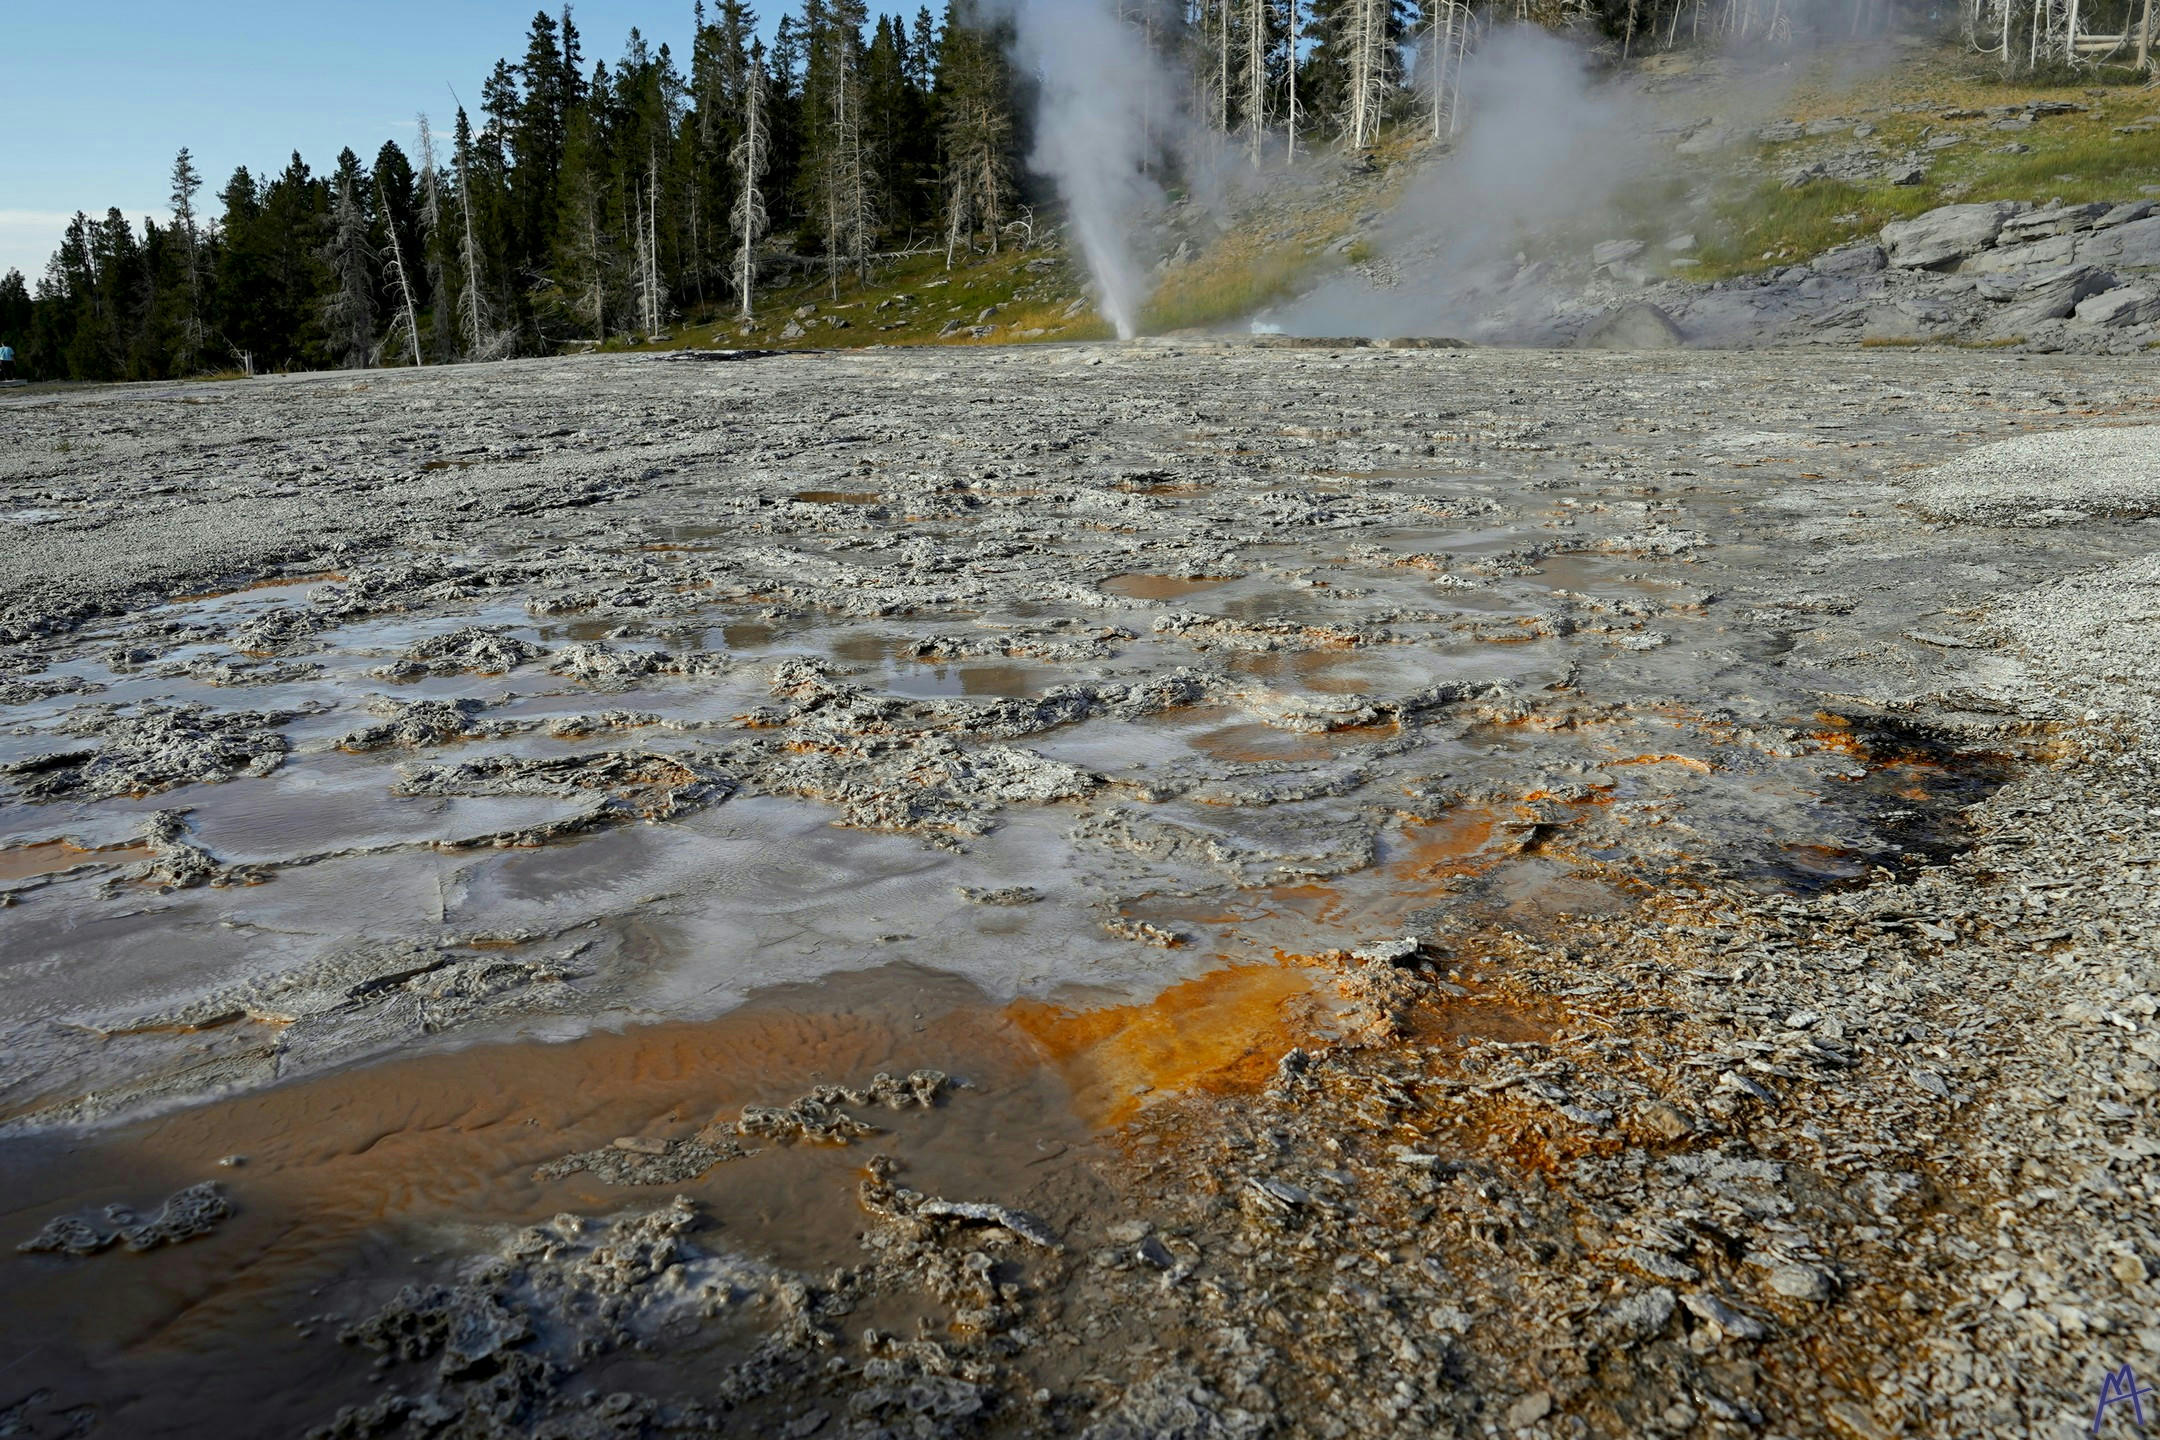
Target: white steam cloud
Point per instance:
(1097, 80)
(1547, 158)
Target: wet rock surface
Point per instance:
(1560, 893)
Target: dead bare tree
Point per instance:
(977, 180)
(394, 262)
(1256, 48)
(749, 157)
(1439, 43)
(646, 202)
(1290, 107)
(1222, 74)
(1366, 59)
(431, 217)
(1462, 54)
(844, 169)
(585, 248)
(473, 315)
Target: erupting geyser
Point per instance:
(1098, 77)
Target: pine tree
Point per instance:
(538, 136)
(349, 307)
(17, 315)
(186, 183)
(287, 236)
(851, 203)
(975, 99)
(585, 260)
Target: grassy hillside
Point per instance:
(2107, 151)
(912, 300)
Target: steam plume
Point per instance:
(1546, 159)
(1097, 79)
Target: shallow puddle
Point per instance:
(345, 1176)
(1137, 585)
(1250, 742)
(991, 679)
(54, 857)
(839, 497)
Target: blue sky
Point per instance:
(96, 96)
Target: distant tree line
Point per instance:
(582, 204)
(601, 202)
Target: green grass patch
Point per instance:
(1771, 225)
(908, 300)
(1229, 283)
(2073, 162)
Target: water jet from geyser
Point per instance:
(1098, 79)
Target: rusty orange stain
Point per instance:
(1223, 1031)
(1444, 846)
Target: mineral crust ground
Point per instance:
(1156, 890)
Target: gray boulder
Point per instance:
(1613, 252)
(2123, 306)
(1946, 235)
(2135, 245)
(1861, 259)
(2123, 215)
(2055, 220)
(2057, 286)
(2033, 255)
(2049, 295)
(1908, 319)
(1641, 326)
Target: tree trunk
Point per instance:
(1462, 53)
(1222, 77)
(1290, 110)
(1438, 43)
(397, 263)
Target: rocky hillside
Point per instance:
(2083, 278)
